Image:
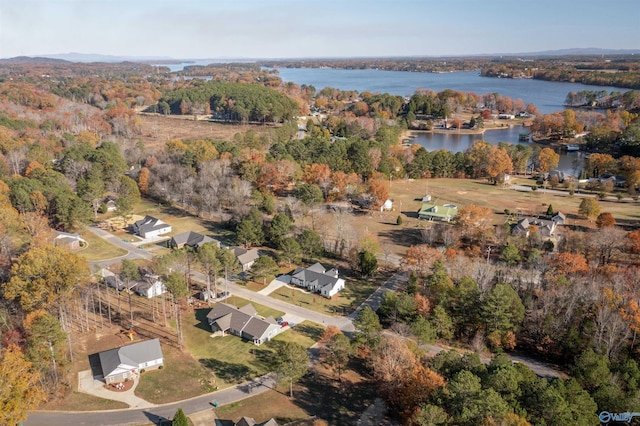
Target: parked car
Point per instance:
(279, 320)
(284, 324)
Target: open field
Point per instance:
(158, 129)
(262, 407)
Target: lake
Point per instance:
(570, 162)
(548, 96)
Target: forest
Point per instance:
(72, 135)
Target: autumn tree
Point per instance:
(20, 389)
(143, 181)
(474, 220)
(589, 207)
(499, 164)
(292, 362)
(605, 220)
(41, 277)
(420, 258)
(548, 160)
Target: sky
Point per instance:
(236, 29)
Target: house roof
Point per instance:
(545, 226)
(316, 274)
(149, 223)
(244, 320)
(434, 210)
(246, 421)
(192, 239)
(130, 355)
(245, 256)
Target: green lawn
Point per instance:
(99, 249)
(181, 377)
(77, 401)
(232, 359)
(356, 291)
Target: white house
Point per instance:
(152, 287)
(387, 206)
(150, 227)
(317, 279)
(122, 363)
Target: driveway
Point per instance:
(87, 384)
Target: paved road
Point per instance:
(152, 414)
(133, 252)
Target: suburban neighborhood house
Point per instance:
(150, 287)
(559, 218)
(248, 421)
(434, 212)
(242, 322)
(523, 228)
(150, 227)
(317, 279)
(191, 239)
(122, 363)
(68, 241)
(246, 258)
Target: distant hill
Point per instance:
(95, 57)
(585, 51)
(32, 60)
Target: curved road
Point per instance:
(152, 414)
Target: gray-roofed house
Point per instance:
(242, 322)
(524, 225)
(150, 227)
(245, 257)
(191, 239)
(248, 421)
(122, 363)
(317, 279)
(111, 279)
(559, 218)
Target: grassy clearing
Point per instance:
(77, 401)
(232, 359)
(99, 249)
(262, 310)
(181, 377)
(270, 404)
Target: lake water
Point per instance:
(570, 162)
(548, 96)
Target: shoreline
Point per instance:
(409, 134)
